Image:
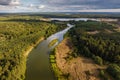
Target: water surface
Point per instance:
(38, 65)
(75, 19)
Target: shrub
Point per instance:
(98, 60)
(114, 71)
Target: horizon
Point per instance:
(67, 13)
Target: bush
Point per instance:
(114, 71)
(98, 60)
(103, 75)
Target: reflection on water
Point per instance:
(59, 35)
(75, 19)
(38, 66)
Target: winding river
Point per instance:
(38, 65)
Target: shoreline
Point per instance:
(30, 48)
(67, 67)
(27, 52)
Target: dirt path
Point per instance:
(79, 68)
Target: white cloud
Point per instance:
(31, 5)
(41, 6)
(60, 5)
(6, 7)
(14, 2)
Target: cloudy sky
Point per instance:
(59, 5)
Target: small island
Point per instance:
(53, 42)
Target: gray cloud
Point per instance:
(104, 4)
(9, 2)
(4, 2)
(58, 5)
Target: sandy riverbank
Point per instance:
(79, 68)
(30, 48)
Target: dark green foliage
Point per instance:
(54, 28)
(104, 45)
(98, 60)
(101, 47)
(16, 36)
(104, 76)
(114, 70)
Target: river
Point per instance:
(38, 65)
(75, 19)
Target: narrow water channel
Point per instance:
(38, 66)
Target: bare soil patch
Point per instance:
(93, 32)
(79, 68)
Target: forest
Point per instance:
(17, 34)
(99, 41)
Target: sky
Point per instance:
(59, 6)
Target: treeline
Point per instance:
(103, 47)
(61, 15)
(19, 17)
(15, 39)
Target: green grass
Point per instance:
(58, 73)
(52, 43)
